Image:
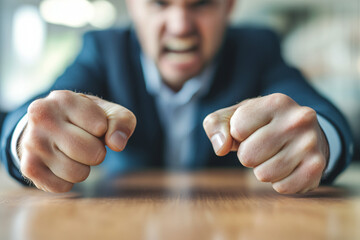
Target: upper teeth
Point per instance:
(181, 44)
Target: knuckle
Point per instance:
(237, 130)
(39, 111)
(211, 121)
(65, 97)
(99, 156)
(87, 151)
(100, 128)
(303, 118)
(84, 174)
(262, 175)
(307, 115)
(31, 141)
(35, 105)
(245, 157)
(316, 166)
(283, 188)
(80, 174)
(238, 133)
(60, 94)
(311, 142)
(278, 99)
(28, 167)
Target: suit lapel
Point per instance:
(149, 129)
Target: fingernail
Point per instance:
(218, 141)
(119, 139)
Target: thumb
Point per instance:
(217, 128)
(121, 123)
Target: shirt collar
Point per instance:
(192, 89)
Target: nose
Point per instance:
(179, 22)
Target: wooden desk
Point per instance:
(214, 204)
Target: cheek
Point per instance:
(212, 34)
(149, 37)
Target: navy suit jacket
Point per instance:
(250, 65)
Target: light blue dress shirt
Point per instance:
(177, 111)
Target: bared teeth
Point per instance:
(180, 57)
(181, 44)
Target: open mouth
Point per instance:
(181, 50)
(181, 45)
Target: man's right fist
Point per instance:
(66, 134)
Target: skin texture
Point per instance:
(67, 132)
(281, 141)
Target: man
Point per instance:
(182, 67)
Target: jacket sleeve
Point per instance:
(83, 75)
(279, 77)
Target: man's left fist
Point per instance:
(281, 140)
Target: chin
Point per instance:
(177, 80)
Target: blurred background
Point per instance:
(39, 38)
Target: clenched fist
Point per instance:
(281, 140)
(66, 134)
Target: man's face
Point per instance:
(181, 36)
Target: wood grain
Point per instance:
(209, 204)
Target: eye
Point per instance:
(201, 3)
(160, 3)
